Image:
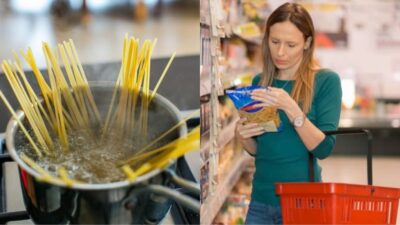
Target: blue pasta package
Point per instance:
(267, 117)
(241, 97)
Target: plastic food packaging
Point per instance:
(267, 117)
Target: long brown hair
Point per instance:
(302, 91)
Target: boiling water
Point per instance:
(90, 159)
(93, 159)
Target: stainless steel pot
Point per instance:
(145, 201)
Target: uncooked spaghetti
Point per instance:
(64, 126)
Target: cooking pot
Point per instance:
(144, 201)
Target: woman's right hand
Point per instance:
(247, 130)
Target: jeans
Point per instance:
(260, 213)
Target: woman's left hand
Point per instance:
(276, 97)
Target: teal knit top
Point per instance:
(282, 156)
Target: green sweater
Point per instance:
(282, 156)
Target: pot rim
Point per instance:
(13, 125)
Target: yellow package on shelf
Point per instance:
(248, 30)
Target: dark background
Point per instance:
(180, 84)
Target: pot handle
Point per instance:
(188, 185)
(166, 192)
(191, 203)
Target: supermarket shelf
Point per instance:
(353, 118)
(257, 40)
(230, 76)
(204, 145)
(391, 100)
(227, 133)
(204, 14)
(214, 202)
(254, 40)
(205, 85)
(204, 21)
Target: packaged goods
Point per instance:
(267, 117)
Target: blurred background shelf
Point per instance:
(211, 207)
(227, 133)
(239, 77)
(371, 120)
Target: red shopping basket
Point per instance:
(338, 203)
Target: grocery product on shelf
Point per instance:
(228, 61)
(235, 207)
(248, 30)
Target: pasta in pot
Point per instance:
(69, 140)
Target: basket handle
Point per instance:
(347, 131)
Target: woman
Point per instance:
(309, 102)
